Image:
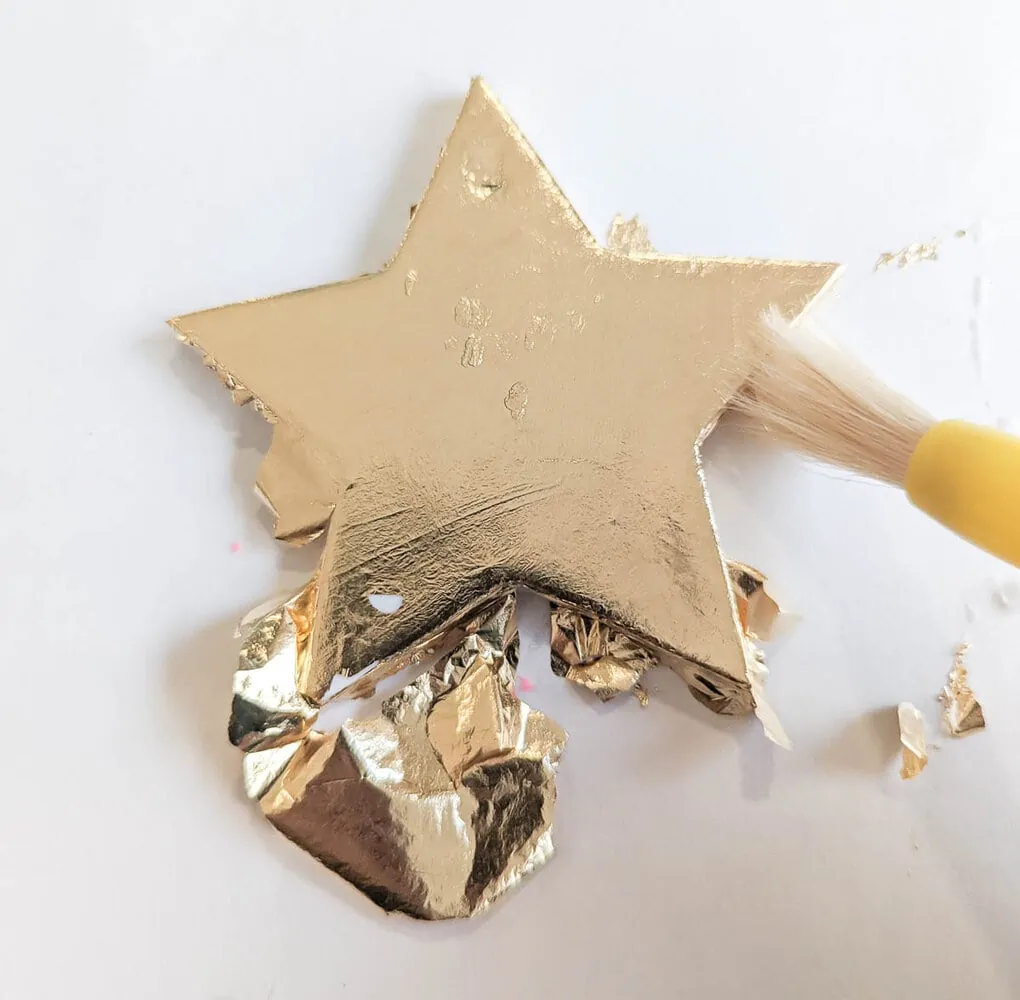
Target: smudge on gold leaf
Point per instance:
(482, 170)
(540, 330)
(471, 314)
(410, 280)
(474, 352)
(504, 343)
(516, 400)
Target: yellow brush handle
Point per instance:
(968, 478)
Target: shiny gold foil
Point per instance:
(961, 711)
(756, 610)
(592, 654)
(436, 806)
(268, 710)
(507, 402)
(439, 804)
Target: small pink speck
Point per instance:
(525, 685)
(235, 546)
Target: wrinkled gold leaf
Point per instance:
(434, 807)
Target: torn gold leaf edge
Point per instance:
(757, 613)
(240, 394)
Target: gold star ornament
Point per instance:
(506, 402)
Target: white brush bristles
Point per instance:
(808, 395)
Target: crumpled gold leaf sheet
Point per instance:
(443, 800)
(961, 711)
(436, 806)
(268, 710)
(595, 655)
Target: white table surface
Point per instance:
(159, 157)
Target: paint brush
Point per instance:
(810, 396)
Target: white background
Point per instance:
(161, 157)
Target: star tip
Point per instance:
(831, 271)
(481, 90)
(181, 332)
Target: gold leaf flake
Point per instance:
(629, 236)
(909, 255)
(961, 711)
(912, 740)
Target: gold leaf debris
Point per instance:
(961, 711)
